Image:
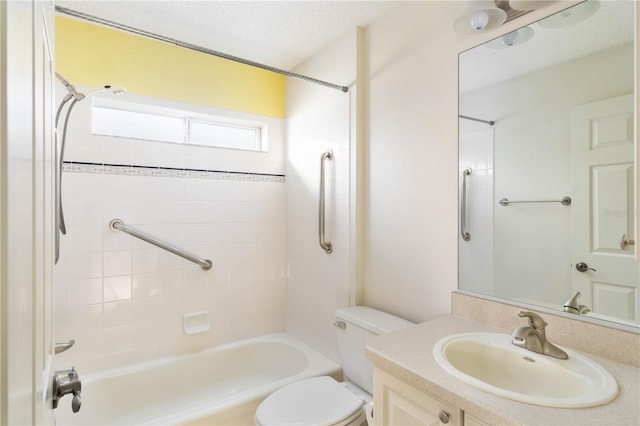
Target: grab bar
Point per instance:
(326, 245)
(463, 208)
(565, 201)
(118, 225)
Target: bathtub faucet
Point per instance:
(67, 382)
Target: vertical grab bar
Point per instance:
(463, 206)
(326, 245)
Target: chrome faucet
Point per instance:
(67, 382)
(533, 337)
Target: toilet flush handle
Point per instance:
(340, 324)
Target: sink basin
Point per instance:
(489, 361)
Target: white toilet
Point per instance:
(323, 400)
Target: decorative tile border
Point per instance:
(116, 169)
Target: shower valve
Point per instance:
(67, 382)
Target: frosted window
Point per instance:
(139, 121)
(137, 125)
(224, 136)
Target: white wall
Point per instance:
(411, 228)
(122, 299)
(412, 193)
(319, 119)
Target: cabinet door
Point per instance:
(470, 420)
(397, 403)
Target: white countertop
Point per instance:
(407, 354)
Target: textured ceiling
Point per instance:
(612, 25)
(281, 34)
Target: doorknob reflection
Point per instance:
(583, 267)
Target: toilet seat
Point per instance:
(315, 401)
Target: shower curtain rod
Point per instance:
(201, 49)
(479, 120)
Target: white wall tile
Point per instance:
(117, 288)
(117, 314)
(144, 261)
(122, 299)
(117, 263)
(85, 292)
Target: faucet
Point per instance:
(573, 307)
(533, 337)
(67, 382)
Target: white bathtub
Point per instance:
(221, 385)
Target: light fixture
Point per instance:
(514, 38)
(571, 16)
(480, 15)
(529, 4)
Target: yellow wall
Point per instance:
(91, 55)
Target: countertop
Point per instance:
(407, 354)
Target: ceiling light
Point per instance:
(514, 38)
(480, 15)
(571, 16)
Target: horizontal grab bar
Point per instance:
(118, 225)
(565, 201)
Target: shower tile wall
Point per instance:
(476, 153)
(318, 120)
(122, 299)
(317, 282)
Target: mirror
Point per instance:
(546, 164)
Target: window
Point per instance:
(139, 121)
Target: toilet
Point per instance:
(323, 400)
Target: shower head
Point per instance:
(116, 90)
(78, 96)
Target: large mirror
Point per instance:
(546, 164)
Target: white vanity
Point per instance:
(410, 388)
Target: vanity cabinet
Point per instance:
(398, 403)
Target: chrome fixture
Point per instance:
(62, 347)
(326, 245)
(340, 324)
(625, 242)
(583, 267)
(573, 307)
(514, 38)
(565, 201)
(466, 236)
(479, 120)
(528, 5)
(67, 382)
(480, 15)
(118, 225)
(533, 337)
(77, 96)
(175, 42)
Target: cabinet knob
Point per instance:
(444, 416)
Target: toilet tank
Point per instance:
(361, 323)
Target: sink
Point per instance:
(489, 361)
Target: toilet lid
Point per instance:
(315, 401)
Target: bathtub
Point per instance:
(222, 385)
